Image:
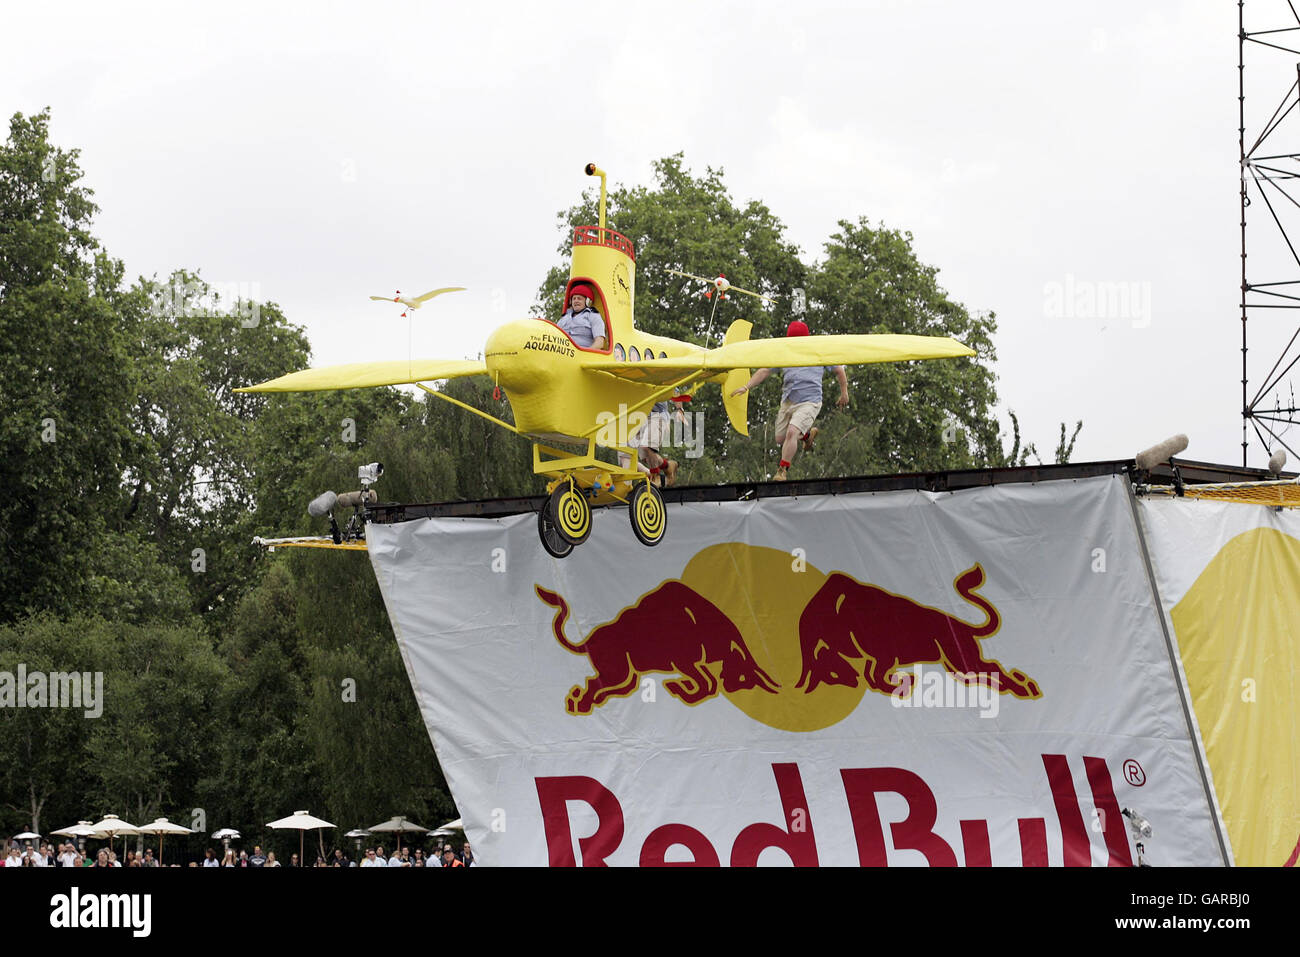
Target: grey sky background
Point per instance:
(326, 152)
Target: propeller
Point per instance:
(722, 285)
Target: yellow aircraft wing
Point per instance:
(783, 353)
(366, 375)
(832, 351)
(737, 357)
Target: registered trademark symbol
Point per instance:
(1134, 774)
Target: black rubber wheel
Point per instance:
(552, 541)
(648, 514)
(569, 513)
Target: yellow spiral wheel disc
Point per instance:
(571, 514)
(648, 514)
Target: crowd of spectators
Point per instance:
(68, 855)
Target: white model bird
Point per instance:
(418, 301)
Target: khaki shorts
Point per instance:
(656, 433)
(801, 415)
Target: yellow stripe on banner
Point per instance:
(1241, 653)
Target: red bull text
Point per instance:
(796, 836)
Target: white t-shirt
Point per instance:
(395, 861)
(68, 859)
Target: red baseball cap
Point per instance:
(581, 289)
(797, 328)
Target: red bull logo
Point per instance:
(671, 630)
(789, 645)
(879, 841)
(848, 621)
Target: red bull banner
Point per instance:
(1229, 581)
(980, 678)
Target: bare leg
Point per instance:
(788, 447)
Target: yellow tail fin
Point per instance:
(737, 407)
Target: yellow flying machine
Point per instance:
(567, 400)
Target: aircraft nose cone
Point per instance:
(519, 352)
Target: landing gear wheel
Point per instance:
(550, 535)
(648, 514)
(570, 512)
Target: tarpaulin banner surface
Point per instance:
(903, 678)
(1229, 579)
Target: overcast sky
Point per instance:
(325, 152)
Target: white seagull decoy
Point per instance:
(418, 301)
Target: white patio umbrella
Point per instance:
(161, 827)
(450, 827)
(399, 826)
(299, 821)
(81, 830)
(111, 826)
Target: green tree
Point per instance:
(44, 752)
(1019, 455)
(65, 376)
(190, 485)
(155, 738)
(936, 414)
(264, 763)
(361, 695)
(473, 457)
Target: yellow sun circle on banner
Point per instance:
(763, 591)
